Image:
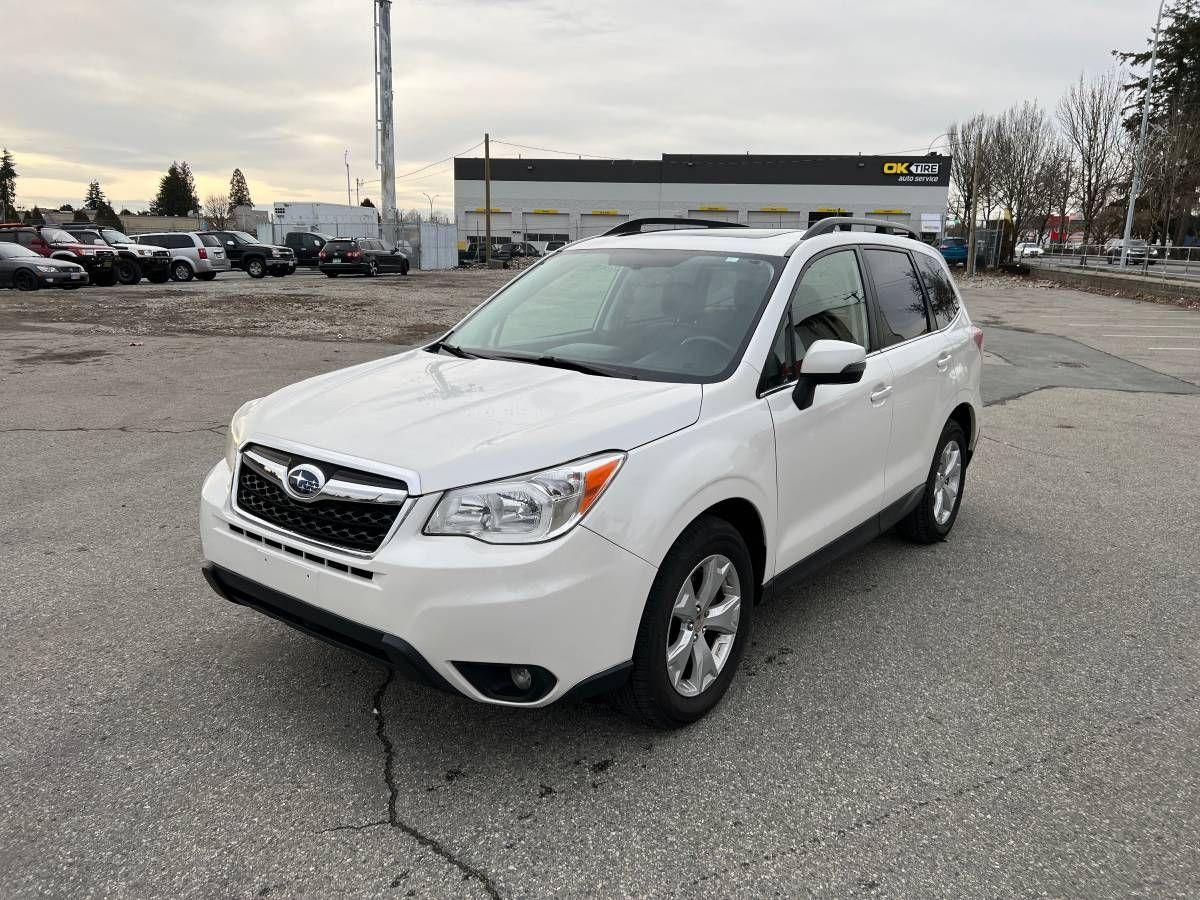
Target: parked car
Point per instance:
(306, 246)
(953, 250)
(518, 250)
(256, 259)
(551, 246)
(1139, 252)
(51, 241)
(1028, 250)
(27, 270)
(587, 484)
(193, 255)
(134, 260)
(361, 256)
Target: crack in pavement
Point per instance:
(393, 818)
(916, 808)
(988, 437)
(126, 429)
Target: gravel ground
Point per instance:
(1011, 713)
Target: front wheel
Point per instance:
(694, 629)
(128, 272)
(256, 268)
(25, 280)
(106, 278)
(159, 276)
(934, 516)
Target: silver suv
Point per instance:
(192, 255)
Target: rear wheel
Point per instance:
(159, 276)
(372, 269)
(935, 515)
(128, 272)
(404, 268)
(181, 271)
(24, 280)
(694, 629)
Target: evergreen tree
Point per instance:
(8, 186)
(1177, 76)
(66, 207)
(367, 202)
(82, 216)
(239, 191)
(176, 193)
(106, 215)
(94, 197)
(34, 217)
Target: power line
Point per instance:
(430, 165)
(548, 150)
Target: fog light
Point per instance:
(521, 677)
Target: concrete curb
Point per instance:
(1087, 279)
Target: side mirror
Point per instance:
(828, 362)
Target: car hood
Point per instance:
(454, 421)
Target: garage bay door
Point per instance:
(501, 225)
(714, 215)
(546, 226)
(776, 219)
(598, 223)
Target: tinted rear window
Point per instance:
(210, 240)
(898, 291)
(341, 244)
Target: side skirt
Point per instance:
(837, 548)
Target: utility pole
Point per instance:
(1140, 160)
(346, 160)
(487, 199)
(385, 122)
(974, 205)
(358, 183)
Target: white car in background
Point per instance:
(588, 484)
(1024, 250)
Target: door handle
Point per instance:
(943, 362)
(880, 394)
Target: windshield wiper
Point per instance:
(452, 350)
(556, 362)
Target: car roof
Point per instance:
(761, 241)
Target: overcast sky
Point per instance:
(281, 87)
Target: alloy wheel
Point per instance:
(703, 626)
(947, 481)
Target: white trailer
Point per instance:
(336, 219)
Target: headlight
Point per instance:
(237, 432)
(46, 269)
(88, 252)
(526, 509)
(276, 253)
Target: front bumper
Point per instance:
(150, 264)
(571, 606)
(59, 279)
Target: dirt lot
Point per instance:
(307, 305)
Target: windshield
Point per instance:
(115, 237)
(666, 315)
(12, 251)
(242, 238)
(58, 236)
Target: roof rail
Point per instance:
(636, 226)
(844, 223)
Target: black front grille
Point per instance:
(354, 526)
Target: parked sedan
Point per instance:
(953, 250)
(25, 270)
(361, 256)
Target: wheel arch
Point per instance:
(964, 414)
(746, 518)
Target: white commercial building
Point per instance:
(564, 199)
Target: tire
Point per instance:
(159, 277)
(181, 271)
(332, 274)
(105, 279)
(256, 268)
(127, 272)
(650, 694)
(206, 276)
(922, 525)
(24, 280)
(404, 269)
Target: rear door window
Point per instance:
(207, 240)
(899, 295)
(943, 301)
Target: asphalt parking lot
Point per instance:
(1012, 712)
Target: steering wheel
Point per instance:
(710, 339)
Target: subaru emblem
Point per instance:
(305, 481)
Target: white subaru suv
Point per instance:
(587, 484)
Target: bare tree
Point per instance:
(1090, 116)
(1022, 138)
(217, 210)
(963, 138)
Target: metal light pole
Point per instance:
(385, 122)
(487, 199)
(346, 160)
(1139, 161)
(430, 198)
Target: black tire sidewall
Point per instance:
(25, 281)
(702, 539)
(183, 267)
(952, 432)
(256, 268)
(130, 270)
